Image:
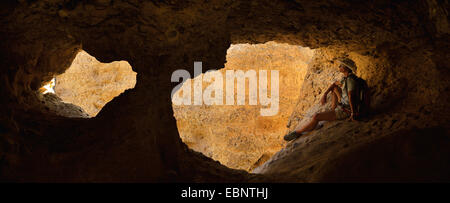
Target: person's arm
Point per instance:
(351, 90)
(332, 86)
(352, 105)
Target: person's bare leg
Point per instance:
(334, 100)
(336, 97)
(324, 116)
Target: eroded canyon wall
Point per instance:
(238, 136)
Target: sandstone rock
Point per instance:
(91, 84)
(238, 136)
(335, 151)
(58, 107)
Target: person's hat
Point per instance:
(348, 63)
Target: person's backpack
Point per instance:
(363, 97)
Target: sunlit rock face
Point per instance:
(402, 101)
(238, 136)
(91, 84)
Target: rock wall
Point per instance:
(54, 104)
(90, 84)
(135, 139)
(237, 135)
(406, 119)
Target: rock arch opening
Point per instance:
(88, 84)
(238, 136)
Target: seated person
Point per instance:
(339, 110)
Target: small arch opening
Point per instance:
(86, 86)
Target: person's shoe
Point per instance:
(291, 136)
(320, 125)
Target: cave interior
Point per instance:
(400, 48)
